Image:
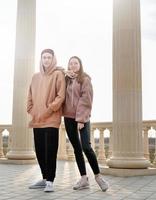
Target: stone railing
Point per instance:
(101, 139)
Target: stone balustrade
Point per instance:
(101, 137)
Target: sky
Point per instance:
(82, 28)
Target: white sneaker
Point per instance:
(83, 183)
(39, 184)
(49, 187)
(102, 183)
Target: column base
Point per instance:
(102, 161)
(128, 163)
(127, 172)
(21, 155)
(18, 162)
(1, 154)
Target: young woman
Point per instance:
(44, 104)
(77, 111)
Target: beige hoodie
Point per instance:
(45, 97)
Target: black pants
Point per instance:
(81, 144)
(46, 146)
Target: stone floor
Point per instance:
(15, 179)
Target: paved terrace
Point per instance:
(15, 179)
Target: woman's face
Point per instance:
(47, 59)
(74, 65)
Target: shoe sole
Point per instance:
(48, 190)
(36, 187)
(104, 190)
(81, 188)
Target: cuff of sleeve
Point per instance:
(79, 121)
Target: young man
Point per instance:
(44, 104)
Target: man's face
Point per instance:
(47, 59)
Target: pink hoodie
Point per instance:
(45, 97)
(79, 98)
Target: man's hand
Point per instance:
(43, 116)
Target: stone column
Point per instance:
(22, 141)
(127, 87)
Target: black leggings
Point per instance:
(81, 144)
(46, 146)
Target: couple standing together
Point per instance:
(54, 93)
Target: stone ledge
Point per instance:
(105, 170)
(17, 162)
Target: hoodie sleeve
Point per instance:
(60, 96)
(84, 106)
(29, 100)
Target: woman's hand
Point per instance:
(71, 74)
(80, 125)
